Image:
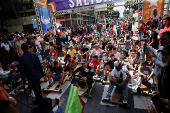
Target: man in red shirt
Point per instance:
(53, 53)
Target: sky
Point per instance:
(120, 9)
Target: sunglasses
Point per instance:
(162, 39)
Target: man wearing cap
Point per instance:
(156, 56)
(119, 77)
(31, 69)
(165, 78)
(85, 77)
(18, 46)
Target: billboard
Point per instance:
(57, 5)
(44, 15)
(150, 6)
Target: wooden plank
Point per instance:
(53, 88)
(66, 78)
(144, 89)
(117, 95)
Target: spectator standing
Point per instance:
(141, 28)
(18, 46)
(155, 17)
(31, 69)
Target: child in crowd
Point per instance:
(57, 73)
(135, 62)
(95, 64)
(145, 75)
(132, 53)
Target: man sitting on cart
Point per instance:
(85, 77)
(57, 73)
(119, 77)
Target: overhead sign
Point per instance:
(150, 6)
(44, 15)
(69, 4)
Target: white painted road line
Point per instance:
(104, 95)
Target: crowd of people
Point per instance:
(33, 56)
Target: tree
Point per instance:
(129, 4)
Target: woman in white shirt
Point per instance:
(155, 17)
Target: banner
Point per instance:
(57, 5)
(34, 22)
(44, 15)
(150, 6)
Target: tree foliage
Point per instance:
(129, 5)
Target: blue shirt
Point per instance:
(157, 61)
(30, 67)
(40, 58)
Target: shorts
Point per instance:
(95, 68)
(57, 77)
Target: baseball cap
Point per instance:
(84, 61)
(116, 63)
(166, 49)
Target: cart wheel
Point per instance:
(128, 105)
(60, 91)
(16, 91)
(44, 90)
(70, 79)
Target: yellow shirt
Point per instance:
(71, 53)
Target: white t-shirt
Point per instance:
(154, 18)
(75, 38)
(116, 73)
(37, 42)
(6, 46)
(39, 39)
(117, 55)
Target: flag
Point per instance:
(74, 103)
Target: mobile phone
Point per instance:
(159, 105)
(57, 101)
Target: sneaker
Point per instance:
(6, 87)
(57, 87)
(153, 91)
(138, 90)
(125, 100)
(49, 86)
(107, 97)
(105, 78)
